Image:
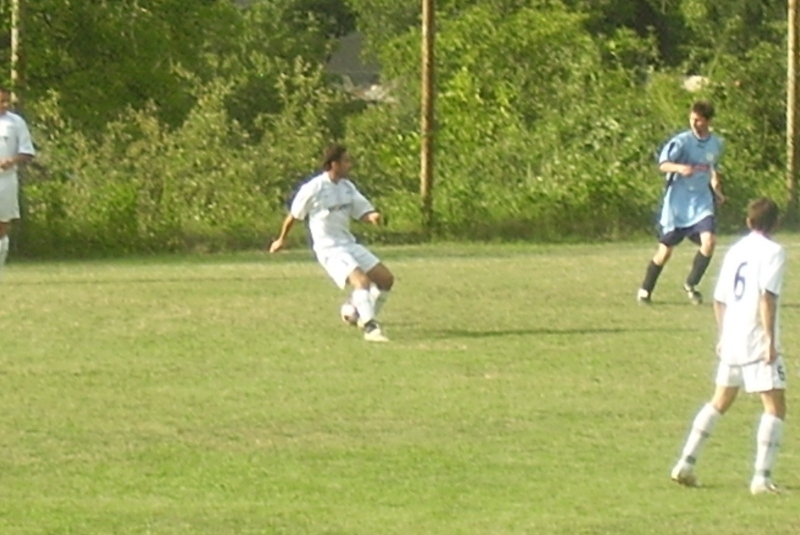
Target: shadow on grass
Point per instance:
(160, 280)
(465, 333)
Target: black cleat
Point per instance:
(695, 297)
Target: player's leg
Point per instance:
(382, 283)
(366, 310)
(654, 268)
(770, 426)
(728, 380)
(708, 242)
(344, 269)
(360, 296)
(5, 226)
(368, 267)
(9, 210)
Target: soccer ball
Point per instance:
(349, 313)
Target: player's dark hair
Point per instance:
(333, 153)
(704, 109)
(763, 214)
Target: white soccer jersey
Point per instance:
(329, 207)
(14, 139)
(752, 266)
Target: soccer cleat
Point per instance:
(695, 297)
(374, 333)
(683, 475)
(643, 296)
(763, 486)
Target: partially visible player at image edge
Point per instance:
(16, 148)
(330, 200)
(749, 350)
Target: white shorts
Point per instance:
(9, 199)
(754, 377)
(340, 262)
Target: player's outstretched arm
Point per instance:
(278, 243)
(767, 310)
(371, 217)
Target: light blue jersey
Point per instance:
(689, 199)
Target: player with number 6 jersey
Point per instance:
(753, 267)
(746, 310)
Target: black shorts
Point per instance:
(676, 236)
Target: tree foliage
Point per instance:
(156, 119)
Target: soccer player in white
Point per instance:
(15, 148)
(746, 310)
(330, 201)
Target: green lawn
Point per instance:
(524, 392)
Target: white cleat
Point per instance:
(763, 486)
(643, 297)
(684, 476)
(375, 335)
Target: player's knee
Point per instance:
(775, 405)
(722, 401)
(382, 277)
(388, 281)
(708, 245)
(662, 255)
(359, 280)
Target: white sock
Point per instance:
(362, 302)
(378, 297)
(4, 244)
(768, 442)
(702, 426)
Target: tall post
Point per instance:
(427, 116)
(17, 98)
(16, 55)
(792, 101)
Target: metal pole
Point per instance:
(792, 142)
(427, 116)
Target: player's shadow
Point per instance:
(163, 280)
(471, 333)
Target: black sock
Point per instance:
(699, 266)
(651, 276)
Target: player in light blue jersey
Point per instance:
(692, 190)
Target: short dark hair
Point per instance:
(333, 153)
(704, 109)
(763, 214)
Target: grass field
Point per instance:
(524, 392)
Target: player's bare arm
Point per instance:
(716, 186)
(680, 168)
(767, 307)
(719, 315)
(277, 244)
(371, 217)
(8, 163)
